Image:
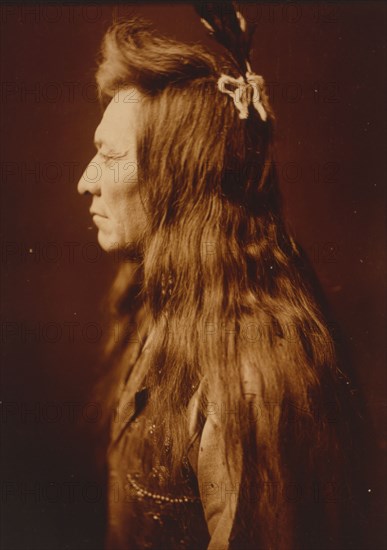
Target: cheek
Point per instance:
(120, 187)
(125, 208)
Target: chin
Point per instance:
(131, 252)
(107, 243)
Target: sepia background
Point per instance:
(324, 63)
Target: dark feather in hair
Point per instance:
(228, 27)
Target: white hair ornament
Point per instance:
(244, 92)
(226, 24)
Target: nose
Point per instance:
(90, 181)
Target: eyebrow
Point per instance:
(99, 143)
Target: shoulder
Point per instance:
(204, 414)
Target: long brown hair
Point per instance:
(224, 285)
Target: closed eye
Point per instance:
(109, 158)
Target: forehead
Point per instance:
(120, 119)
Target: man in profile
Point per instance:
(206, 449)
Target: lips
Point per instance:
(93, 213)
